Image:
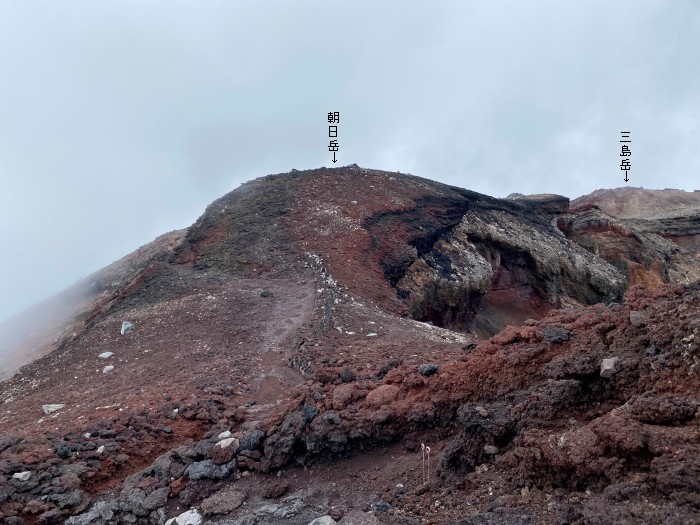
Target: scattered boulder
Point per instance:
(22, 476)
(51, 408)
(107, 369)
(191, 517)
(223, 502)
(382, 395)
(265, 293)
(276, 490)
(105, 355)
(224, 450)
(427, 369)
(101, 512)
(252, 440)
(556, 334)
(208, 470)
(609, 367)
(127, 327)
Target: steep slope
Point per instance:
(294, 315)
(651, 236)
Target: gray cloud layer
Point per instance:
(122, 120)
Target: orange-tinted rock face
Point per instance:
(655, 238)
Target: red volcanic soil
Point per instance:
(275, 317)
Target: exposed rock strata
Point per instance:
(250, 359)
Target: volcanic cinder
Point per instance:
(291, 352)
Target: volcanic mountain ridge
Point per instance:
(293, 348)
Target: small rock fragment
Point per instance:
(126, 327)
(100, 449)
(481, 411)
(22, 476)
(208, 470)
(105, 355)
(107, 369)
(556, 334)
(310, 413)
(653, 350)
(332, 417)
(347, 376)
(223, 502)
(265, 293)
(224, 435)
(275, 490)
(609, 367)
(323, 520)
(252, 440)
(371, 334)
(637, 318)
(353, 202)
(51, 408)
(381, 506)
(491, 450)
(427, 369)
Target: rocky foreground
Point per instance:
(308, 350)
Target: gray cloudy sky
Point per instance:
(120, 120)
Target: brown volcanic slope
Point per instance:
(640, 203)
(289, 314)
(651, 236)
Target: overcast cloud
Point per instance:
(121, 120)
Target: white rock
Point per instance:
(87, 435)
(353, 202)
(323, 520)
(107, 369)
(225, 443)
(100, 449)
(105, 355)
(126, 327)
(371, 334)
(225, 434)
(51, 408)
(609, 367)
(191, 517)
(22, 476)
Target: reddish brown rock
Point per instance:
(343, 395)
(382, 396)
(224, 451)
(276, 489)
